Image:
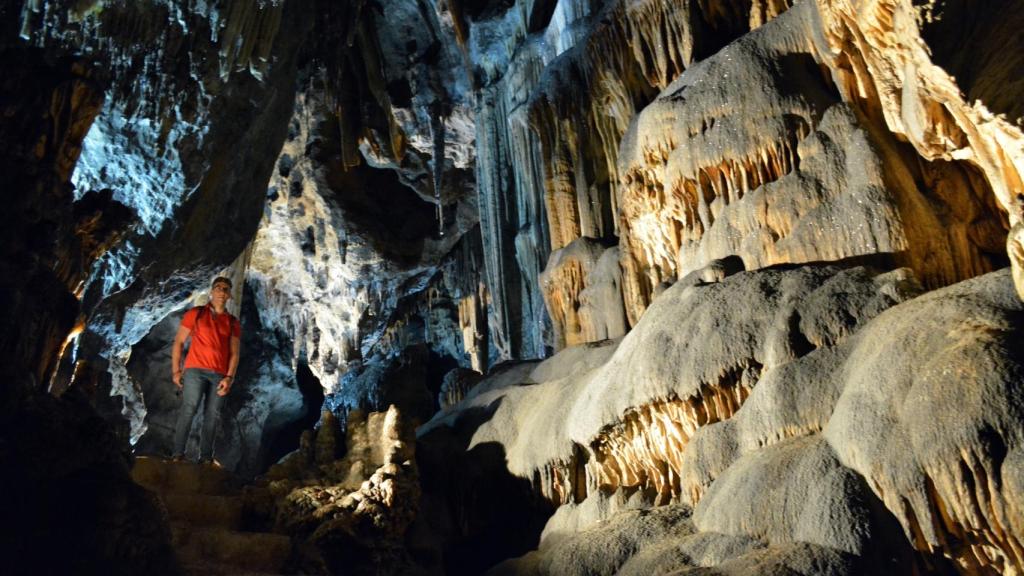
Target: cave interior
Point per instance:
(524, 287)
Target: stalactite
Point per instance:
(705, 177)
(643, 46)
(250, 29)
(240, 38)
(437, 132)
(761, 11)
(882, 65)
(498, 219)
(236, 272)
(473, 326)
(369, 52)
(965, 512)
(657, 224)
(644, 448)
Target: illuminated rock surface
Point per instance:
(754, 153)
(352, 512)
(769, 426)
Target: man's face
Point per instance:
(220, 293)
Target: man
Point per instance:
(209, 367)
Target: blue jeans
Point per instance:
(198, 383)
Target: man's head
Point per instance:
(220, 290)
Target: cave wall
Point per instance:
(843, 410)
(178, 145)
(559, 126)
(59, 453)
(689, 143)
(347, 266)
(133, 135)
(48, 246)
(357, 269)
(597, 113)
(784, 175)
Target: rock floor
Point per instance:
(205, 507)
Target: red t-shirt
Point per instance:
(211, 338)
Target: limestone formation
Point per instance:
(664, 541)
(172, 145)
(473, 326)
(565, 277)
(887, 59)
(555, 101)
(583, 292)
(786, 173)
(795, 414)
(321, 235)
(353, 511)
(602, 315)
(616, 287)
(456, 385)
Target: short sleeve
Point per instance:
(188, 321)
(236, 327)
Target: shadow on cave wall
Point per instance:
(474, 512)
(66, 494)
(67, 488)
(438, 366)
(282, 431)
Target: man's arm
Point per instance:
(225, 384)
(179, 343)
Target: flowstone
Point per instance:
(840, 419)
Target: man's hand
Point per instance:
(179, 342)
(224, 387)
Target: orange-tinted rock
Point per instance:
(569, 273)
(895, 61)
(787, 172)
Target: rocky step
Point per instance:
(162, 475)
(204, 509)
(237, 552)
(208, 569)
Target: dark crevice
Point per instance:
(541, 15)
(281, 432)
(980, 45)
